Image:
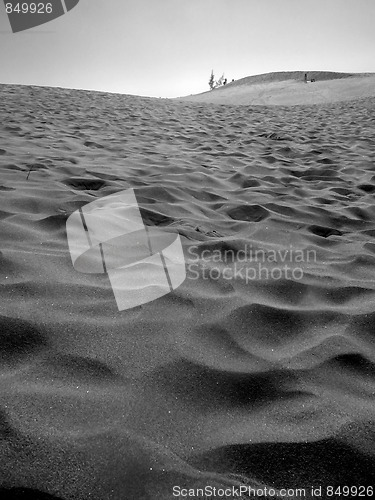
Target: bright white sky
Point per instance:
(167, 48)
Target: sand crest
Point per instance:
(288, 88)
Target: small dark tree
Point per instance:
(211, 82)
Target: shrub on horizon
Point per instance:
(211, 81)
(218, 83)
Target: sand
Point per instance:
(259, 378)
(288, 88)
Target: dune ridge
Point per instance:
(279, 76)
(254, 379)
(288, 88)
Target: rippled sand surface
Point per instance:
(257, 377)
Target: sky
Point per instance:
(167, 48)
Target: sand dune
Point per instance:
(289, 88)
(257, 377)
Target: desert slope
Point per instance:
(246, 373)
(289, 88)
